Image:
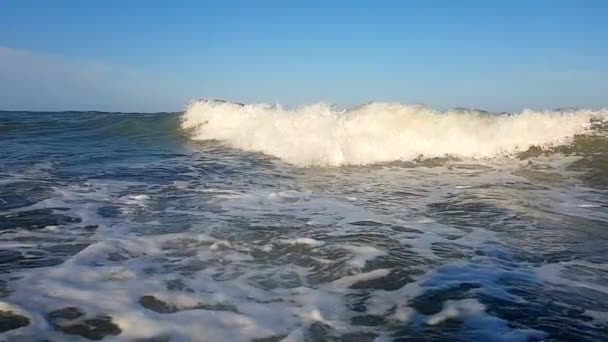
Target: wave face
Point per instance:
(381, 132)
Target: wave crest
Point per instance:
(373, 133)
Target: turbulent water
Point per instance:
(238, 222)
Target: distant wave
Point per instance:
(382, 132)
(90, 124)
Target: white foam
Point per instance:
(403, 313)
(379, 132)
(137, 199)
(457, 309)
(303, 241)
(350, 280)
(123, 263)
(566, 274)
(588, 206)
(599, 317)
(362, 254)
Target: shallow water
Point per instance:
(119, 226)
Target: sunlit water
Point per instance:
(119, 226)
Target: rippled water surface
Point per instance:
(118, 226)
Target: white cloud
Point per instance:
(35, 81)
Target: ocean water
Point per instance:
(230, 222)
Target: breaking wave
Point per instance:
(322, 135)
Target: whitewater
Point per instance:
(381, 132)
(255, 222)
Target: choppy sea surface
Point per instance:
(253, 223)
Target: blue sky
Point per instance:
(157, 55)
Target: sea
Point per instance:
(254, 222)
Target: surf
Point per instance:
(379, 132)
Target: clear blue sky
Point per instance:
(156, 55)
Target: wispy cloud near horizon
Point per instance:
(37, 81)
(31, 80)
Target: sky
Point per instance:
(151, 55)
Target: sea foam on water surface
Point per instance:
(170, 242)
(380, 132)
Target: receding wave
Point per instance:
(382, 132)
